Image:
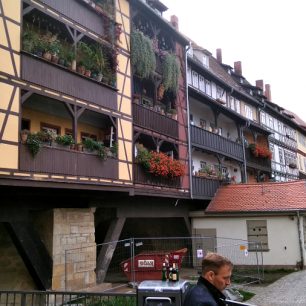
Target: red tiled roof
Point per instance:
(274, 197)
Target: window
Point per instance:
(232, 103)
(25, 124)
(50, 128)
(191, 119)
(263, 118)
(219, 92)
(248, 112)
(257, 234)
(68, 132)
(201, 83)
(237, 105)
(205, 60)
(195, 79)
(203, 123)
(271, 145)
(281, 156)
(208, 87)
(202, 164)
(87, 135)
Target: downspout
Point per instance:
(300, 239)
(247, 124)
(188, 121)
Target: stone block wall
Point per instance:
(74, 249)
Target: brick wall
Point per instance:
(74, 249)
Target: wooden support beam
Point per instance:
(108, 248)
(33, 252)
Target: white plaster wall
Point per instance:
(198, 156)
(200, 111)
(282, 232)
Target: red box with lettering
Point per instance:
(148, 266)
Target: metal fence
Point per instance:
(49, 298)
(136, 259)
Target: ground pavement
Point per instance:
(289, 290)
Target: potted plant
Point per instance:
(70, 60)
(99, 61)
(114, 149)
(88, 57)
(46, 137)
(24, 135)
(64, 140)
(173, 113)
(33, 143)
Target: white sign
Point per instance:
(199, 253)
(246, 252)
(146, 263)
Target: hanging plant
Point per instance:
(142, 55)
(171, 73)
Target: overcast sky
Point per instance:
(267, 36)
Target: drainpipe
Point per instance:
(247, 124)
(300, 239)
(188, 121)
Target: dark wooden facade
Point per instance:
(263, 164)
(67, 162)
(215, 143)
(62, 80)
(151, 120)
(204, 188)
(146, 178)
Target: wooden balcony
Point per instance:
(145, 178)
(215, 143)
(76, 11)
(204, 188)
(60, 79)
(156, 122)
(59, 161)
(263, 164)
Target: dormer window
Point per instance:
(251, 92)
(205, 60)
(229, 71)
(241, 80)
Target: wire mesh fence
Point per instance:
(136, 259)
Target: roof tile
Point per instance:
(277, 197)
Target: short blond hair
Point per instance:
(213, 262)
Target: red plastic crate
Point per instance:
(148, 266)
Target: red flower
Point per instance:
(162, 165)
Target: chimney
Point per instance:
(238, 68)
(175, 22)
(219, 55)
(268, 92)
(259, 84)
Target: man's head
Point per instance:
(217, 270)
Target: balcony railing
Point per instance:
(76, 11)
(143, 177)
(215, 143)
(204, 188)
(59, 161)
(60, 79)
(151, 120)
(257, 162)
